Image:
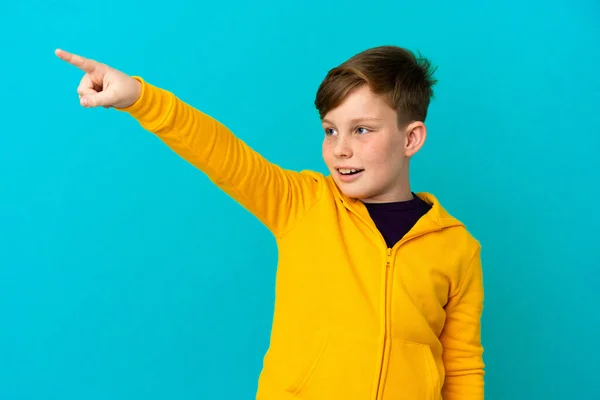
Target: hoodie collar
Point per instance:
(437, 218)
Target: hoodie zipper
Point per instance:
(385, 324)
(386, 328)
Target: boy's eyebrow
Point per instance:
(355, 120)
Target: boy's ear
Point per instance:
(416, 133)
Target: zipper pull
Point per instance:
(389, 255)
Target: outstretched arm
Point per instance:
(276, 196)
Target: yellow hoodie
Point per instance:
(353, 318)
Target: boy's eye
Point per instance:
(362, 130)
(329, 131)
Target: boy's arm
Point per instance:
(461, 337)
(277, 197)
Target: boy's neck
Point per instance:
(406, 195)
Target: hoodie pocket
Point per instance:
(335, 365)
(310, 363)
(411, 373)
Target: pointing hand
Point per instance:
(102, 86)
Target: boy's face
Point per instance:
(366, 152)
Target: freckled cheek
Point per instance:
(327, 151)
(374, 156)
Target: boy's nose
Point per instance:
(342, 149)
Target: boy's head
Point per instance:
(373, 108)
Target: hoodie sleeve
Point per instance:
(277, 197)
(461, 337)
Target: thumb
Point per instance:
(98, 99)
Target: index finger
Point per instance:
(83, 63)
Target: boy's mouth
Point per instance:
(349, 171)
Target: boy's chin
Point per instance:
(356, 192)
(353, 191)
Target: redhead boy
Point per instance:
(379, 290)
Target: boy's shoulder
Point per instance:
(452, 229)
(454, 245)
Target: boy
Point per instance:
(379, 290)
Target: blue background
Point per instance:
(124, 274)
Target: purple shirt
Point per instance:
(394, 220)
